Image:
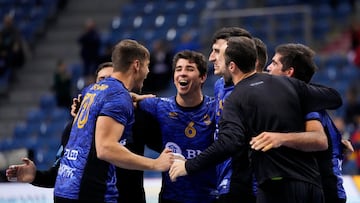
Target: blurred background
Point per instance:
(49, 50)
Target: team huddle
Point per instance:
(264, 137)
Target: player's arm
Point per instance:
(139, 97)
(314, 139)
(316, 97)
(108, 132)
(46, 178)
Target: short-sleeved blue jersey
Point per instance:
(330, 160)
(81, 174)
(187, 131)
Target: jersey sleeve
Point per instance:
(118, 106)
(313, 116)
(149, 105)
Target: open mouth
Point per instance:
(183, 82)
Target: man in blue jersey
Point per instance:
(296, 60)
(129, 182)
(187, 126)
(27, 171)
(87, 170)
(254, 107)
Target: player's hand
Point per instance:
(348, 148)
(23, 172)
(177, 169)
(75, 105)
(164, 161)
(138, 97)
(266, 141)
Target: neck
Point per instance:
(125, 78)
(189, 100)
(243, 76)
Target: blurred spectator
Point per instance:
(11, 46)
(105, 56)
(3, 60)
(61, 4)
(352, 107)
(355, 139)
(160, 68)
(62, 85)
(355, 34)
(355, 42)
(90, 44)
(335, 4)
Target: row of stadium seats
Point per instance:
(40, 132)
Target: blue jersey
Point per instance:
(330, 160)
(187, 131)
(224, 170)
(81, 174)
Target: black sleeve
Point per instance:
(316, 97)
(230, 141)
(47, 178)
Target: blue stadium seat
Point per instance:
(320, 28)
(35, 115)
(322, 11)
(174, 7)
(26, 130)
(336, 60)
(76, 70)
(120, 23)
(48, 103)
(150, 7)
(7, 144)
(60, 115)
(20, 130)
(187, 20)
(53, 129)
(5, 82)
(193, 6)
(342, 11)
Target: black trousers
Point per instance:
(289, 191)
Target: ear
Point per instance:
(232, 67)
(203, 78)
(136, 65)
(290, 72)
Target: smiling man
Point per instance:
(187, 126)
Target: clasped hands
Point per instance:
(264, 142)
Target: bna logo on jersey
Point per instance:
(174, 147)
(207, 119)
(173, 114)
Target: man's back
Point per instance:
(275, 104)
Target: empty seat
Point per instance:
(48, 103)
